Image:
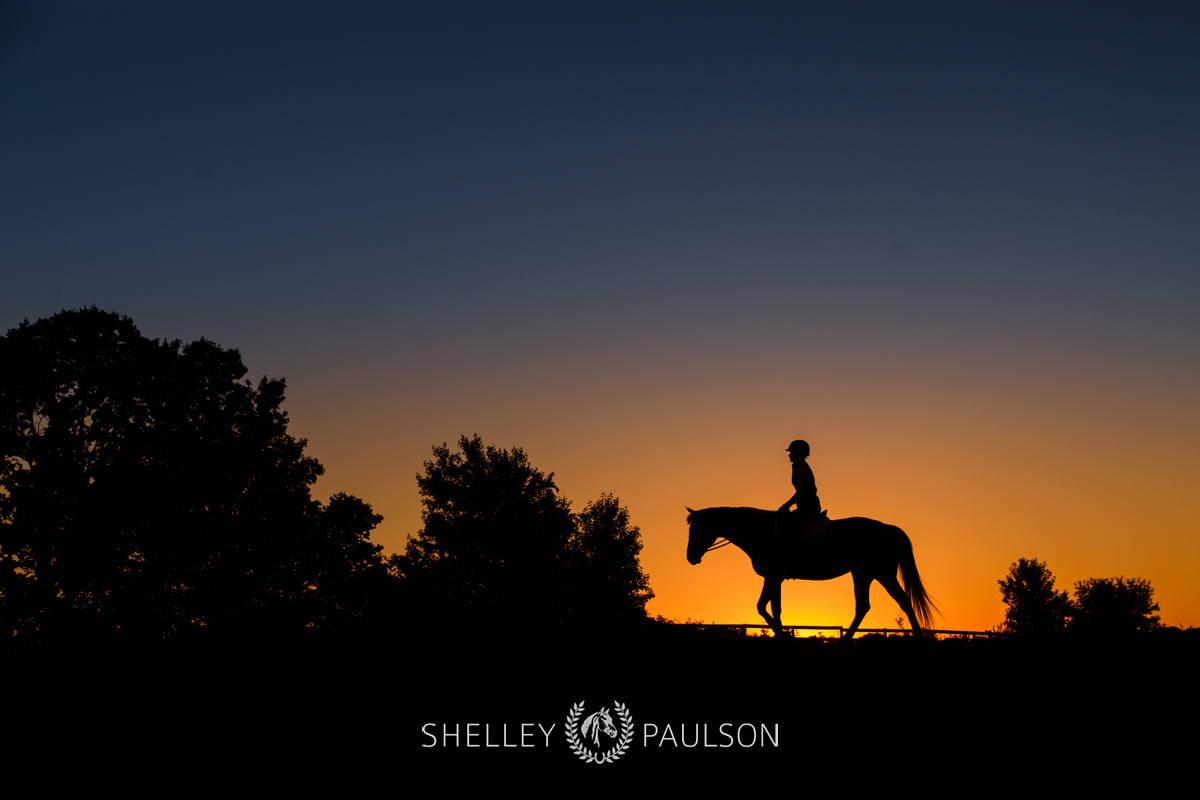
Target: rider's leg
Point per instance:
(781, 522)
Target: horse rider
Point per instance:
(808, 505)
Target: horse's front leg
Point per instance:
(777, 606)
(771, 592)
(862, 602)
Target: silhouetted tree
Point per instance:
(500, 541)
(607, 581)
(145, 486)
(495, 535)
(343, 573)
(1114, 606)
(1033, 607)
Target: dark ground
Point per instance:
(347, 711)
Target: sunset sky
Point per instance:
(954, 246)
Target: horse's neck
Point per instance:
(752, 542)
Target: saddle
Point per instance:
(793, 529)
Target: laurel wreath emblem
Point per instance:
(609, 755)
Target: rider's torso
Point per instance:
(802, 478)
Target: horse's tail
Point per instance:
(923, 605)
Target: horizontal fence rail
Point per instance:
(841, 629)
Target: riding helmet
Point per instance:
(799, 445)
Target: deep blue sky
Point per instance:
(295, 163)
(540, 221)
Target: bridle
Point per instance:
(716, 546)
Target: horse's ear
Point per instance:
(689, 510)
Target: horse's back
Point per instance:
(851, 526)
(864, 540)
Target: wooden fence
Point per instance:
(790, 630)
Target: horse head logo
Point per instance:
(594, 723)
(578, 735)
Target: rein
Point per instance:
(716, 546)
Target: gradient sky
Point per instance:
(955, 246)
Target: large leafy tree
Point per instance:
(145, 485)
(1033, 606)
(608, 584)
(494, 536)
(500, 542)
(1114, 606)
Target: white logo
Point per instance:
(598, 728)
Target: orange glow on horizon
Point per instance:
(978, 476)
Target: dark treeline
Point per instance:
(1101, 606)
(150, 493)
(500, 546)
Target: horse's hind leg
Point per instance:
(893, 588)
(862, 602)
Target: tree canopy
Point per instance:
(607, 579)
(500, 540)
(145, 485)
(1114, 606)
(1033, 607)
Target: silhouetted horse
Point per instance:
(867, 549)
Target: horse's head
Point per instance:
(600, 720)
(701, 536)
